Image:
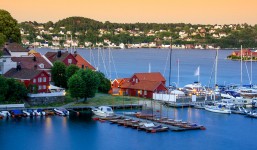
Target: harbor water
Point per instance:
(222, 132)
(81, 132)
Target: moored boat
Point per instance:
(5, 113)
(61, 111)
(217, 109)
(103, 111)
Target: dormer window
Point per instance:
(41, 66)
(136, 80)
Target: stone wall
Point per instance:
(34, 101)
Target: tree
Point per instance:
(9, 27)
(76, 86)
(91, 81)
(16, 92)
(71, 70)
(2, 39)
(105, 84)
(3, 88)
(58, 73)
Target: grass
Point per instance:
(106, 99)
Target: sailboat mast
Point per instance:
(241, 81)
(170, 59)
(110, 62)
(216, 71)
(216, 68)
(251, 68)
(178, 74)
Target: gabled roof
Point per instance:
(5, 51)
(30, 62)
(53, 56)
(81, 61)
(15, 47)
(23, 73)
(143, 85)
(152, 76)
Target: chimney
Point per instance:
(18, 68)
(59, 54)
(10, 40)
(75, 53)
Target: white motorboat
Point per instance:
(252, 114)
(103, 111)
(27, 113)
(61, 111)
(5, 113)
(217, 109)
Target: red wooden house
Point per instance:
(64, 57)
(144, 85)
(30, 77)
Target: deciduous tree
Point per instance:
(58, 73)
(9, 27)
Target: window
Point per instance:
(44, 86)
(41, 65)
(39, 87)
(34, 80)
(39, 79)
(44, 79)
(136, 80)
(133, 79)
(69, 61)
(145, 92)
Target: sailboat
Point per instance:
(217, 108)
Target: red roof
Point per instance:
(142, 85)
(152, 76)
(81, 61)
(23, 73)
(31, 62)
(53, 56)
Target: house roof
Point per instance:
(53, 56)
(29, 62)
(22, 74)
(15, 47)
(142, 85)
(153, 76)
(81, 61)
(5, 52)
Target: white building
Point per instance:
(6, 62)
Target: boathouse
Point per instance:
(143, 85)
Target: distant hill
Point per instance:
(75, 24)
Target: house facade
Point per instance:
(6, 62)
(34, 80)
(141, 85)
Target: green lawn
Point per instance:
(106, 99)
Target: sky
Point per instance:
(132, 11)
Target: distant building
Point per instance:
(15, 49)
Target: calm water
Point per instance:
(81, 132)
(124, 63)
(78, 133)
